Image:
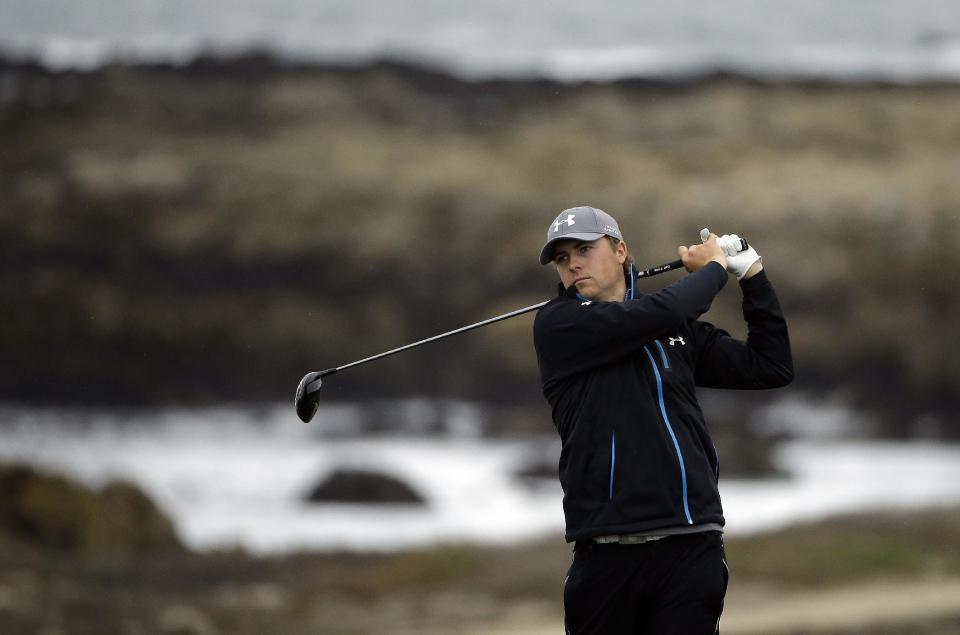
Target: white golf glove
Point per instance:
(738, 262)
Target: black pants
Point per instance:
(672, 585)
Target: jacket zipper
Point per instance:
(663, 355)
(666, 366)
(666, 421)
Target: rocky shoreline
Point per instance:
(842, 575)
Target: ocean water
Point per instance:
(237, 476)
(569, 40)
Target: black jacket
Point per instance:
(620, 378)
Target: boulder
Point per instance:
(52, 511)
(362, 486)
(545, 470)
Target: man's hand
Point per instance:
(742, 264)
(695, 257)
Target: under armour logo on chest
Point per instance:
(674, 340)
(569, 221)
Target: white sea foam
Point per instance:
(831, 477)
(237, 477)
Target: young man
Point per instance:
(637, 466)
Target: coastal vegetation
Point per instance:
(211, 232)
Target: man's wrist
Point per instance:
(754, 269)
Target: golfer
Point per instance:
(637, 466)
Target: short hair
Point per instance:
(626, 263)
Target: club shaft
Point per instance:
(462, 329)
(646, 273)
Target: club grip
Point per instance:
(705, 233)
(665, 267)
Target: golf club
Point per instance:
(307, 399)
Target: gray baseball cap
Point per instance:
(579, 223)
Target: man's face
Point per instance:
(595, 268)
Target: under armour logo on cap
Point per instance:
(569, 221)
(579, 223)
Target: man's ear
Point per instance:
(622, 252)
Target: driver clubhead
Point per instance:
(308, 396)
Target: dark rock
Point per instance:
(538, 470)
(538, 464)
(131, 519)
(745, 446)
(360, 486)
(52, 511)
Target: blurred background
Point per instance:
(200, 202)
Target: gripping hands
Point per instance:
(739, 259)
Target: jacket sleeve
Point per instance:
(763, 360)
(572, 336)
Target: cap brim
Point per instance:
(546, 254)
